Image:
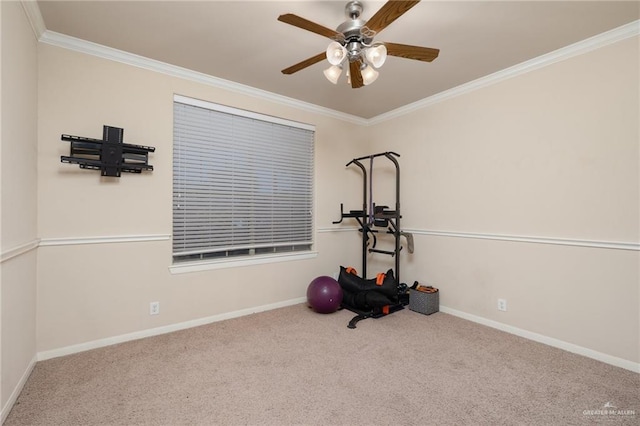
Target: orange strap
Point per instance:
(385, 309)
(351, 270)
(380, 278)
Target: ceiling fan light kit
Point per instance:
(336, 53)
(353, 43)
(369, 75)
(333, 73)
(376, 55)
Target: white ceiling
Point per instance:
(242, 41)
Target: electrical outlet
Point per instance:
(502, 305)
(154, 308)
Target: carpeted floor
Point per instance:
(291, 366)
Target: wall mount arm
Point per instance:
(109, 155)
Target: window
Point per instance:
(242, 183)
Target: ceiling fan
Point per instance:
(353, 43)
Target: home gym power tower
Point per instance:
(372, 215)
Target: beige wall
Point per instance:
(552, 154)
(95, 291)
(18, 237)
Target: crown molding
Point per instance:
(72, 43)
(601, 40)
(34, 16)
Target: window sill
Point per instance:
(206, 265)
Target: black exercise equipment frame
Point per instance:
(381, 216)
(392, 217)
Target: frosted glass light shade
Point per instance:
(369, 75)
(376, 55)
(333, 73)
(336, 53)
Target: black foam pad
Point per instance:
(355, 284)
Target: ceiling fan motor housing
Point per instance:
(354, 39)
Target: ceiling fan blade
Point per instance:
(355, 74)
(426, 54)
(305, 24)
(388, 13)
(306, 63)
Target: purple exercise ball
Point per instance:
(324, 295)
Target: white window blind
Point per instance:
(242, 183)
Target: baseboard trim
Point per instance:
(95, 344)
(550, 341)
(16, 391)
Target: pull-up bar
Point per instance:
(387, 154)
(366, 217)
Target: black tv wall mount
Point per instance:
(109, 155)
